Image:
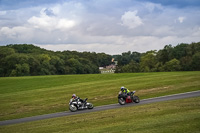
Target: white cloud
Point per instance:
(65, 24)
(51, 22)
(3, 12)
(123, 44)
(181, 19)
(6, 31)
(163, 31)
(120, 45)
(131, 20)
(153, 7)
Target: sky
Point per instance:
(108, 26)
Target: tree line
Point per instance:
(183, 57)
(30, 60)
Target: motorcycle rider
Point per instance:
(77, 99)
(125, 90)
(74, 98)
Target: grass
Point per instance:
(28, 96)
(177, 116)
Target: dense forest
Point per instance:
(183, 57)
(29, 60)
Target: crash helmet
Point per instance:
(74, 96)
(122, 88)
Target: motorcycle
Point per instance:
(78, 105)
(124, 98)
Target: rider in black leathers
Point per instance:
(77, 99)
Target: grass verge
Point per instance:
(181, 115)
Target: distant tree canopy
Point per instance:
(183, 57)
(29, 60)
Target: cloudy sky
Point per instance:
(109, 26)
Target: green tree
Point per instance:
(180, 51)
(148, 62)
(165, 54)
(44, 68)
(34, 64)
(131, 67)
(86, 66)
(12, 60)
(20, 70)
(159, 67)
(196, 61)
(186, 63)
(57, 65)
(75, 66)
(4, 52)
(172, 65)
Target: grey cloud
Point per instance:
(78, 25)
(177, 3)
(49, 12)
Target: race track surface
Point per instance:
(100, 108)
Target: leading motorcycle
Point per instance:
(127, 98)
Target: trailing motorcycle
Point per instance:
(127, 98)
(78, 105)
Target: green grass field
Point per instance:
(177, 116)
(28, 96)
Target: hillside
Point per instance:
(35, 95)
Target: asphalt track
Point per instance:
(100, 108)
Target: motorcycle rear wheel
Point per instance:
(90, 106)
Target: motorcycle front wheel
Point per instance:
(72, 108)
(121, 101)
(136, 99)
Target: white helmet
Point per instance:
(122, 87)
(74, 95)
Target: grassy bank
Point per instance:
(28, 96)
(180, 116)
